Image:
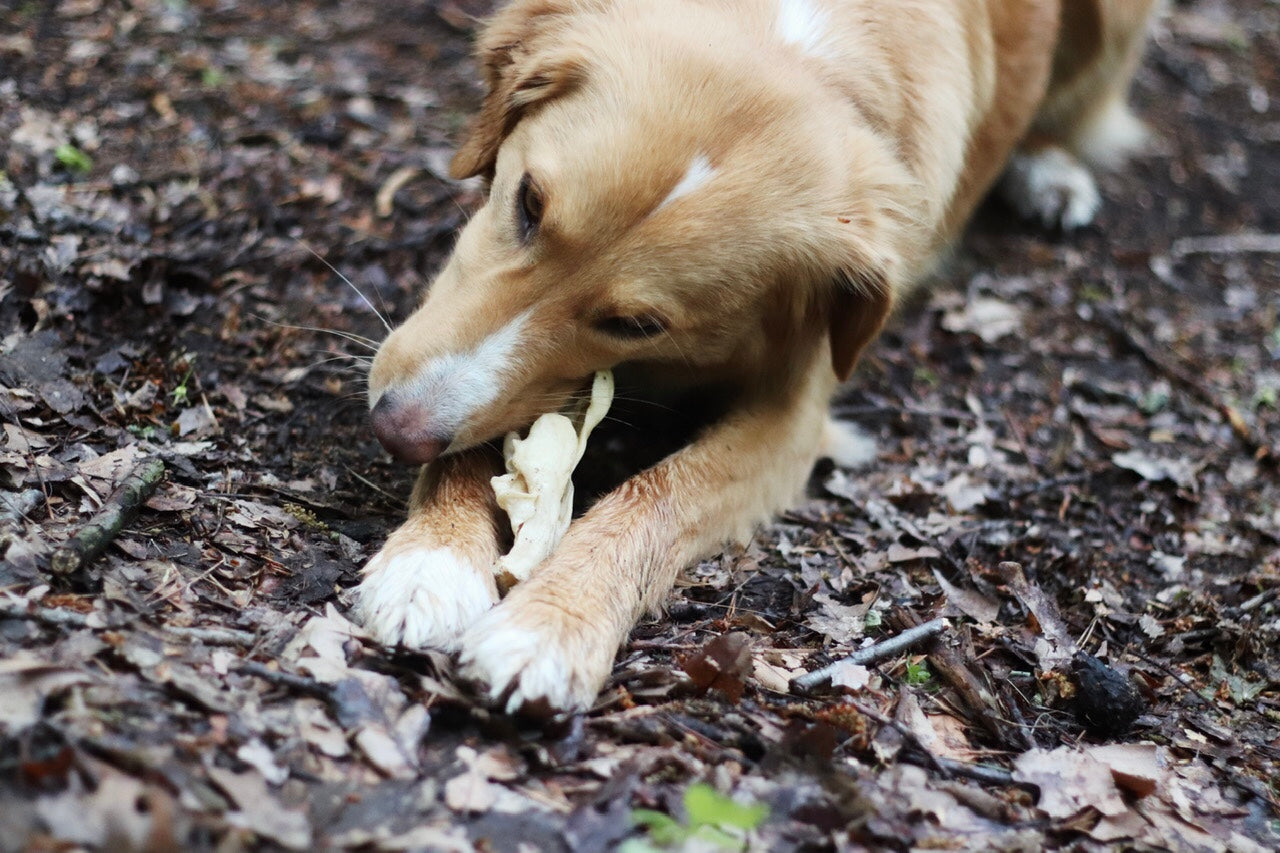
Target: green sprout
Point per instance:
(918, 673)
(72, 158)
(181, 392)
(713, 819)
(1153, 401)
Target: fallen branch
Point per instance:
(1249, 243)
(14, 508)
(872, 654)
(106, 524)
(984, 773)
(917, 753)
(974, 696)
(12, 607)
(300, 683)
(212, 636)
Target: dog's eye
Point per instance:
(634, 328)
(528, 208)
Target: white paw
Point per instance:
(846, 444)
(1115, 135)
(536, 658)
(1051, 187)
(422, 597)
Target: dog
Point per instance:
(728, 194)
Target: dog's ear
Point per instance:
(520, 70)
(861, 302)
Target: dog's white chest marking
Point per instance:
(804, 24)
(700, 171)
(455, 386)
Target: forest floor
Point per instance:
(1078, 439)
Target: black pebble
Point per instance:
(1106, 703)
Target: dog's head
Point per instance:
(652, 199)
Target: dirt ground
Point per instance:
(1077, 436)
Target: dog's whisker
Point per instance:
(360, 340)
(349, 283)
(335, 354)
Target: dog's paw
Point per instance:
(422, 597)
(536, 657)
(846, 444)
(1051, 187)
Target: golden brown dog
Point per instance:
(709, 192)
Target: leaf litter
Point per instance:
(1095, 409)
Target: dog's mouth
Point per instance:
(641, 429)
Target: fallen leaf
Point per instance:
(851, 675)
(25, 685)
(722, 664)
(1156, 468)
(259, 811)
(840, 623)
(989, 319)
(1069, 780)
(970, 602)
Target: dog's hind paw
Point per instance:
(1051, 187)
(422, 597)
(535, 658)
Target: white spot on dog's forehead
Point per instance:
(699, 172)
(455, 386)
(804, 24)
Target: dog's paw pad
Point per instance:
(1051, 187)
(524, 661)
(422, 598)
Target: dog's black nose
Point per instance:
(404, 428)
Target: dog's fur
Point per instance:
(733, 193)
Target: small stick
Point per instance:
(106, 524)
(280, 678)
(1178, 375)
(872, 654)
(212, 636)
(13, 511)
(15, 508)
(1248, 243)
(20, 608)
(917, 753)
(984, 773)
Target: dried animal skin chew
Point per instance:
(537, 490)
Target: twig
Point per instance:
(106, 524)
(1249, 243)
(20, 608)
(13, 510)
(984, 773)
(15, 507)
(213, 636)
(1187, 380)
(872, 654)
(977, 700)
(285, 679)
(926, 758)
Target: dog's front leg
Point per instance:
(434, 576)
(552, 641)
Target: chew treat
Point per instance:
(537, 490)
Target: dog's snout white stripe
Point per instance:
(699, 172)
(454, 386)
(804, 24)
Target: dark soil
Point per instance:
(184, 187)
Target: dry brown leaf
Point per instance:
(722, 664)
(1069, 780)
